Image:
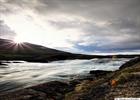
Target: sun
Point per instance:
(18, 40)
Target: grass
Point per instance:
(83, 88)
(125, 74)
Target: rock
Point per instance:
(16, 62)
(2, 63)
(98, 73)
(48, 91)
(130, 63)
(54, 89)
(24, 94)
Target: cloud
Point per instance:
(84, 25)
(5, 31)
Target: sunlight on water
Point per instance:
(23, 74)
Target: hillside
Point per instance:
(8, 46)
(32, 52)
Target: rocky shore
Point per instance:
(2, 63)
(101, 85)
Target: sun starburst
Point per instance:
(18, 40)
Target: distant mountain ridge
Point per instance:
(10, 50)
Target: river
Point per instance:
(20, 74)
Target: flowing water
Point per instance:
(21, 74)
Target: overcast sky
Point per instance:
(80, 26)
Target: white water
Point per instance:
(19, 75)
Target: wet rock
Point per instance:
(97, 93)
(24, 94)
(99, 73)
(2, 63)
(48, 91)
(16, 62)
(130, 63)
(54, 89)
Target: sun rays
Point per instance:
(16, 46)
(18, 41)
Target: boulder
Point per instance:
(54, 89)
(98, 73)
(130, 63)
(2, 63)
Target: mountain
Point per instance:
(8, 46)
(10, 50)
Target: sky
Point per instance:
(78, 26)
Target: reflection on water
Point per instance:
(16, 75)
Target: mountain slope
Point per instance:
(32, 52)
(8, 46)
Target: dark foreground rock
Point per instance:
(55, 90)
(49, 91)
(99, 73)
(130, 63)
(2, 63)
(124, 82)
